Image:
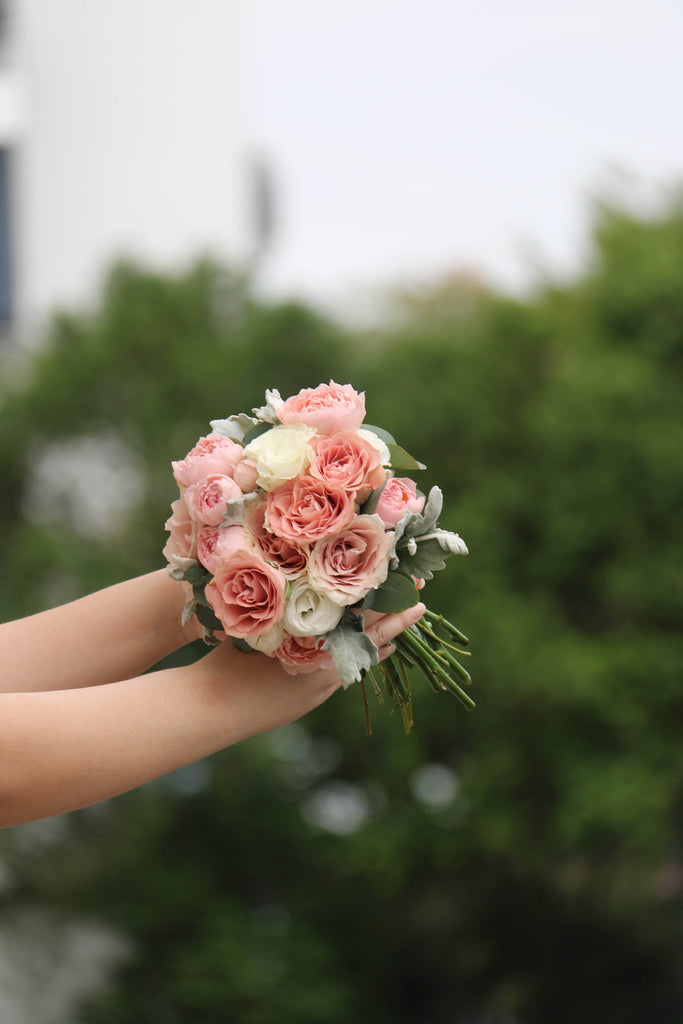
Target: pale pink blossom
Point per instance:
(182, 540)
(328, 407)
(290, 558)
(305, 509)
(207, 500)
(247, 594)
(299, 654)
(350, 564)
(216, 545)
(214, 454)
(399, 496)
(349, 461)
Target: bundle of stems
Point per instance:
(429, 647)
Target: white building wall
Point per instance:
(130, 141)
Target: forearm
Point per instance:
(113, 634)
(65, 749)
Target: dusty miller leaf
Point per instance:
(352, 650)
(234, 427)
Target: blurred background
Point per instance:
(473, 213)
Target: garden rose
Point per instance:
(302, 654)
(207, 500)
(290, 558)
(215, 546)
(306, 509)
(247, 595)
(399, 496)
(328, 407)
(245, 475)
(349, 461)
(211, 454)
(309, 612)
(281, 453)
(182, 540)
(348, 565)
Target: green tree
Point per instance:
(522, 863)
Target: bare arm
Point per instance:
(113, 634)
(65, 749)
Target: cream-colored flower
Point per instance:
(308, 613)
(377, 443)
(280, 454)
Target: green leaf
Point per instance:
(352, 650)
(401, 459)
(242, 645)
(370, 505)
(255, 432)
(396, 593)
(207, 617)
(197, 575)
(382, 434)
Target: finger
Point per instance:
(383, 630)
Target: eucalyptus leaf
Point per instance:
(401, 459)
(197, 575)
(207, 617)
(370, 505)
(381, 433)
(242, 645)
(396, 593)
(256, 431)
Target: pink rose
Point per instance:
(245, 475)
(290, 558)
(328, 407)
(305, 509)
(399, 496)
(348, 565)
(207, 500)
(349, 461)
(299, 654)
(215, 546)
(211, 455)
(247, 595)
(181, 542)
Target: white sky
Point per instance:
(410, 138)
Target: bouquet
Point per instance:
(291, 523)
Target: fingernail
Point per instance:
(418, 611)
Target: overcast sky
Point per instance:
(411, 138)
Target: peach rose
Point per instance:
(215, 546)
(299, 654)
(290, 558)
(211, 455)
(349, 461)
(207, 500)
(399, 496)
(305, 509)
(328, 407)
(181, 542)
(350, 564)
(247, 595)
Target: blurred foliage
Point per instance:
(520, 864)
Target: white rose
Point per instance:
(268, 642)
(280, 454)
(308, 613)
(377, 443)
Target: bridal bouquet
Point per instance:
(292, 522)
